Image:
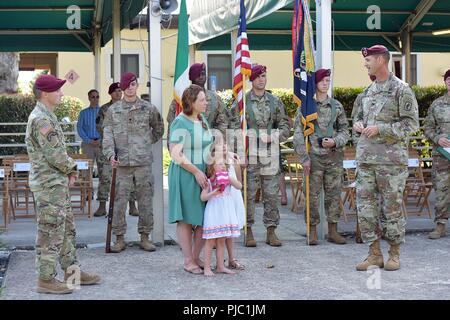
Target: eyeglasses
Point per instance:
(94, 97)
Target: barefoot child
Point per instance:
(220, 219)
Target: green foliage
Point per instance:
(17, 108)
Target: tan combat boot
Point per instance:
(86, 278)
(101, 211)
(313, 239)
(393, 262)
(438, 232)
(333, 235)
(249, 240)
(146, 244)
(133, 211)
(119, 245)
(52, 286)
(375, 257)
(272, 238)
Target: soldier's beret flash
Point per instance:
(376, 49)
(257, 70)
(48, 83)
(126, 79)
(322, 73)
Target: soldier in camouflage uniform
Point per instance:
(324, 161)
(216, 112)
(105, 178)
(265, 114)
(387, 116)
(131, 126)
(52, 172)
(437, 130)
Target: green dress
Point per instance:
(184, 192)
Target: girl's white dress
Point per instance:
(224, 213)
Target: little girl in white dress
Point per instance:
(220, 219)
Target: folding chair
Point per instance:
(20, 194)
(295, 180)
(83, 188)
(349, 187)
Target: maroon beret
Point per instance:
(322, 73)
(113, 87)
(195, 70)
(376, 49)
(257, 70)
(126, 79)
(48, 83)
(447, 74)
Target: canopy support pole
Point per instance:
(116, 39)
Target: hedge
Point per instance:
(17, 108)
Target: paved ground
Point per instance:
(293, 271)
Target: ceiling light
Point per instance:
(441, 32)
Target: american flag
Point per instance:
(242, 63)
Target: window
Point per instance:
(219, 66)
(397, 65)
(128, 63)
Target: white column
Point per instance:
(116, 39)
(323, 60)
(154, 43)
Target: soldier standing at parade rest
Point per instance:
(437, 130)
(105, 178)
(52, 172)
(324, 161)
(265, 113)
(387, 116)
(132, 125)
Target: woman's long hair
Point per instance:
(190, 95)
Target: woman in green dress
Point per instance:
(189, 143)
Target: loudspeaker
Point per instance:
(164, 7)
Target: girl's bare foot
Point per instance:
(208, 273)
(224, 270)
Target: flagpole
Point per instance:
(307, 196)
(244, 177)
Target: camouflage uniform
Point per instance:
(105, 177)
(131, 129)
(50, 169)
(436, 126)
(216, 113)
(265, 110)
(383, 159)
(326, 163)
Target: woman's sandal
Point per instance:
(234, 264)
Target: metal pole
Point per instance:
(116, 39)
(97, 60)
(154, 43)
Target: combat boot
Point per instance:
(86, 278)
(333, 235)
(53, 286)
(375, 257)
(393, 262)
(272, 238)
(119, 245)
(101, 211)
(438, 232)
(133, 211)
(249, 240)
(313, 239)
(146, 244)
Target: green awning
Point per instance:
(273, 31)
(29, 25)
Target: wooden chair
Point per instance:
(4, 191)
(20, 195)
(349, 185)
(295, 175)
(82, 191)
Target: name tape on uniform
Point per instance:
(349, 164)
(414, 163)
(21, 166)
(82, 165)
(2, 173)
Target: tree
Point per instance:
(9, 72)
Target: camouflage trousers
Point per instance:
(329, 174)
(104, 183)
(388, 181)
(55, 239)
(141, 179)
(441, 184)
(270, 187)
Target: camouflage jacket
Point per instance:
(324, 119)
(50, 163)
(101, 117)
(356, 105)
(131, 129)
(263, 116)
(437, 122)
(217, 115)
(392, 106)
